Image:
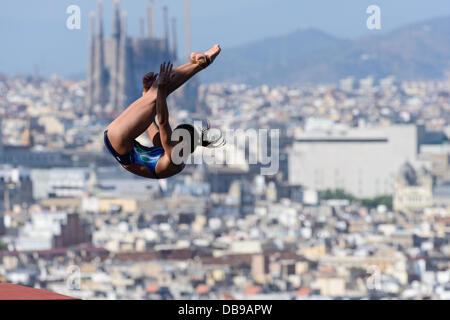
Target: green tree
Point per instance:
(3, 246)
(380, 200)
(336, 194)
(367, 202)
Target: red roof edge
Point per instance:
(10, 291)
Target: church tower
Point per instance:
(150, 20)
(166, 27)
(1, 141)
(124, 64)
(114, 70)
(174, 38)
(116, 64)
(91, 61)
(100, 88)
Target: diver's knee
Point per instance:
(118, 141)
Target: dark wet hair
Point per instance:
(194, 136)
(200, 137)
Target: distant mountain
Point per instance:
(418, 51)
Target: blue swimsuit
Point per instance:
(140, 154)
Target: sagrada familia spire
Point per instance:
(117, 64)
(99, 95)
(116, 32)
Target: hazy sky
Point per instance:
(34, 34)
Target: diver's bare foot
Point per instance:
(213, 52)
(206, 58)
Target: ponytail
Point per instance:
(202, 137)
(212, 142)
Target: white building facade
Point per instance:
(362, 161)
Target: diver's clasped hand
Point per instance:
(165, 74)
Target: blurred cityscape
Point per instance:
(359, 208)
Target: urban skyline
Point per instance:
(344, 20)
(222, 232)
(357, 205)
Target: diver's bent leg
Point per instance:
(131, 124)
(153, 133)
(138, 117)
(199, 61)
(182, 75)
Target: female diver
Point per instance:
(158, 161)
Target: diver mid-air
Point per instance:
(158, 161)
